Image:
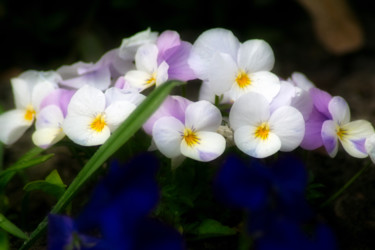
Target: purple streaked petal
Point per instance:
(321, 99)
(59, 98)
(329, 137)
(177, 60)
(360, 145)
(100, 79)
(166, 41)
(313, 129)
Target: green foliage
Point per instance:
(52, 185)
(212, 228)
(9, 227)
(4, 244)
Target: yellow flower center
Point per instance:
(30, 113)
(151, 80)
(262, 131)
(341, 133)
(243, 79)
(98, 123)
(190, 137)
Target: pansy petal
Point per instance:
(321, 99)
(370, 147)
(117, 112)
(313, 130)
(329, 137)
(167, 40)
(117, 95)
(21, 92)
(177, 60)
(172, 106)
(60, 231)
(130, 45)
(49, 117)
(249, 109)
(162, 74)
(100, 79)
(245, 140)
(59, 97)
(222, 73)
(78, 129)
(46, 137)
(255, 55)
(288, 124)
(339, 110)
(301, 81)
(203, 115)
(208, 43)
(138, 79)
(355, 136)
(167, 136)
(87, 101)
(146, 58)
(265, 83)
(13, 125)
(210, 146)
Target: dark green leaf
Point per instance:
(213, 228)
(52, 185)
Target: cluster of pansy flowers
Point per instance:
(88, 101)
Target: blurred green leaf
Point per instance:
(8, 226)
(4, 244)
(52, 185)
(212, 228)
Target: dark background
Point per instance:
(44, 35)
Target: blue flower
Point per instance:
(273, 196)
(118, 213)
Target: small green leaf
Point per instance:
(52, 185)
(213, 228)
(8, 226)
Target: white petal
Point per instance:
(222, 73)
(21, 92)
(49, 117)
(249, 109)
(167, 135)
(339, 110)
(46, 137)
(87, 101)
(284, 97)
(265, 83)
(77, 128)
(130, 45)
(13, 125)
(302, 81)
(209, 43)
(115, 95)
(138, 79)
(288, 124)
(117, 112)
(246, 141)
(99, 79)
(354, 140)
(329, 137)
(211, 145)
(146, 58)
(203, 115)
(255, 55)
(162, 73)
(370, 147)
(40, 91)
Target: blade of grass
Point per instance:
(8, 226)
(114, 142)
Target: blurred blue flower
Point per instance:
(273, 195)
(118, 213)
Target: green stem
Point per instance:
(347, 184)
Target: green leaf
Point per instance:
(52, 185)
(127, 129)
(7, 174)
(8, 226)
(4, 244)
(213, 228)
